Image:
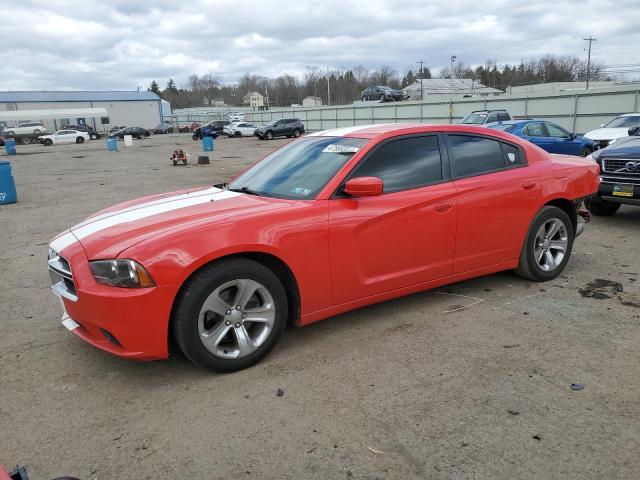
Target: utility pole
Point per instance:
(453, 59)
(328, 87)
(590, 40)
(421, 75)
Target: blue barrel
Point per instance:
(112, 144)
(10, 146)
(7, 185)
(207, 144)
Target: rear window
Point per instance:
(475, 155)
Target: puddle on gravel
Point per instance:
(601, 289)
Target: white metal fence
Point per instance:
(578, 112)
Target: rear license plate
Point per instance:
(623, 189)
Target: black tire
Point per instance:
(184, 320)
(94, 136)
(296, 133)
(529, 267)
(10, 133)
(364, 99)
(237, 134)
(80, 140)
(48, 142)
(268, 135)
(382, 98)
(25, 140)
(585, 152)
(600, 207)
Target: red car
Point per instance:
(328, 223)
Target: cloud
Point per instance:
(63, 44)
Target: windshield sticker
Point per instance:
(337, 148)
(300, 191)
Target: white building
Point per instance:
(254, 99)
(445, 87)
(135, 109)
(312, 102)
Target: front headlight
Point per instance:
(123, 273)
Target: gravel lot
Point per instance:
(418, 387)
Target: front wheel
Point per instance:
(600, 207)
(585, 152)
(548, 245)
(48, 142)
(230, 315)
(269, 135)
(237, 134)
(296, 133)
(25, 140)
(93, 136)
(382, 98)
(364, 99)
(80, 140)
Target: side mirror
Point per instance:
(633, 131)
(364, 187)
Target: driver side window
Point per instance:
(556, 131)
(534, 129)
(404, 164)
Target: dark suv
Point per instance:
(287, 127)
(620, 173)
(482, 117)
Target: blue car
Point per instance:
(548, 136)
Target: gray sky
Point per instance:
(120, 44)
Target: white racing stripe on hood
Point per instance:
(62, 242)
(138, 212)
(147, 210)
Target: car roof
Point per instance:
(489, 110)
(382, 129)
(629, 115)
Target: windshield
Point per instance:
(502, 126)
(475, 117)
(623, 122)
(300, 169)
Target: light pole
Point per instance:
(590, 40)
(453, 59)
(421, 75)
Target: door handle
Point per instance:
(528, 184)
(443, 207)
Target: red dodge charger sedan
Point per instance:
(328, 223)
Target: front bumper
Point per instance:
(129, 323)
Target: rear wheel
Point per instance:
(230, 315)
(296, 133)
(364, 99)
(48, 142)
(548, 245)
(585, 152)
(382, 98)
(10, 133)
(600, 207)
(25, 140)
(93, 136)
(80, 140)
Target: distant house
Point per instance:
(254, 99)
(462, 87)
(218, 102)
(312, 102)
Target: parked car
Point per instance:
(194, 126)
(286, 127)
(163, 128)
(135, 132)
(382, 93)
(215, 126)
(620, 173)
(25, 128)
(240, 129)
(548, 136)
(235, 117)
(1, 138)
(184, 128)
(64, 136)
(616, 128)
(323, 225)
(93, 133)
(116, 128)
(482, 117)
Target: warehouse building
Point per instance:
(135, 109)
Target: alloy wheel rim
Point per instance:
(551, 244)
(236, 319)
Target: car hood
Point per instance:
(607, 133)
(109, 232)
(626, 148)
